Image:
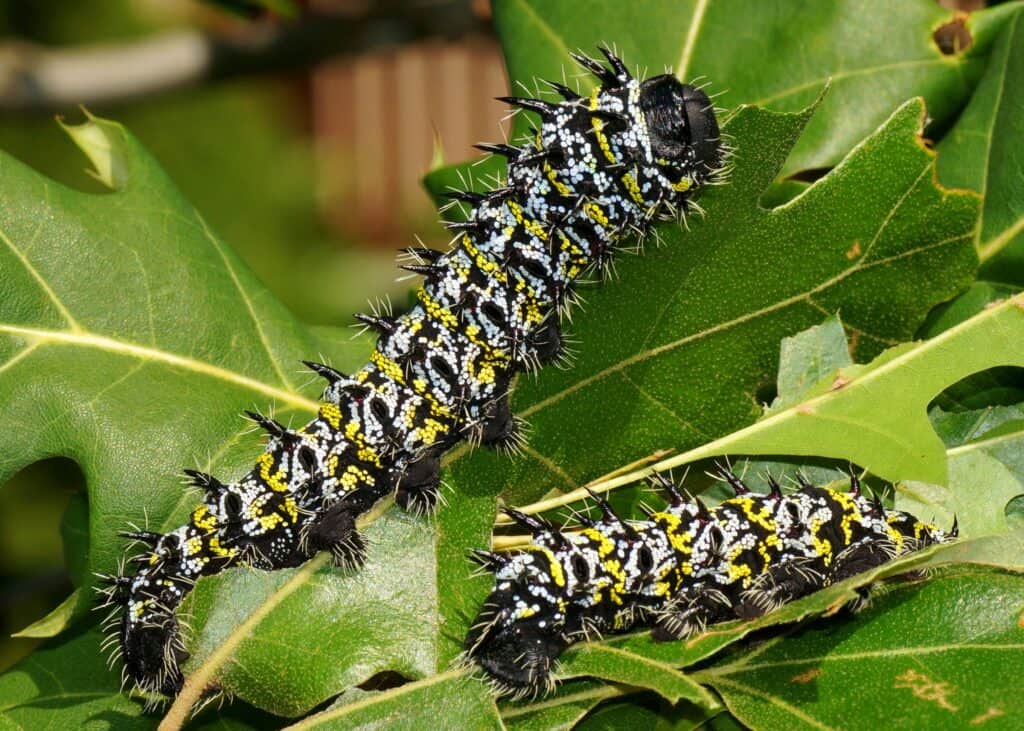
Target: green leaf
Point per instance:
(853, 417)
(875, 59)
(996, 386)
(610, 663)
(685, 362)
(563, 709)
(985, 451)
(983, 152)
(809, 357)
(908, 376)
(70, 686)
(56, 621)
(135, 387)
(932, 655)
(332, 632)
(448, 700)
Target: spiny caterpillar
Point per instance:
(601, 167)
(683, 568)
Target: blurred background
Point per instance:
(299, 128)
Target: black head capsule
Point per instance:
(681, 123)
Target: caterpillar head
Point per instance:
(150, 639)
(520, 629)
(565, 587)
(683, 131)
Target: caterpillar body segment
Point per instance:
(682, 569)
(599, 168)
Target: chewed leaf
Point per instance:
(929, 655)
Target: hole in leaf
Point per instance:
(1014, 512)
(766, 392)
(953, 37)
(994, 388)
(385, 680)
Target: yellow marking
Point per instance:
(633, 188)
(850, 513)
(605, 546)
(484, 264)
(682, 186)
(203, 519)
(738, 571)
(596, 213)
(388, 367)
(761, 517)
(531, 226)
(219, 550)
(275, 481)
(291, 509)
(772, 541)
(679, 538)
(602, 140)
(822, 547)
(331, 414)
(269, 522)
(556, 568)
(562, 188)
(897, 537)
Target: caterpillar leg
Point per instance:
(335, 530)
(779, 585)
(418, 487)
(690, 614)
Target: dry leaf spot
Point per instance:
(854, 251)
(926, 689)
(840, 381)
(988, 715)
(807, 676)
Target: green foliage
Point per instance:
(680, 353)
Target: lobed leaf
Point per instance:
(930, 655)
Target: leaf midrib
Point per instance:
(723, 326)
(40, 337)
(740, 667)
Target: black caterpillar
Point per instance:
(599, 168)
(683, 568)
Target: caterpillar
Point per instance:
(683, 568)
(599, 168)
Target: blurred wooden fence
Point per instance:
(376, 120)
